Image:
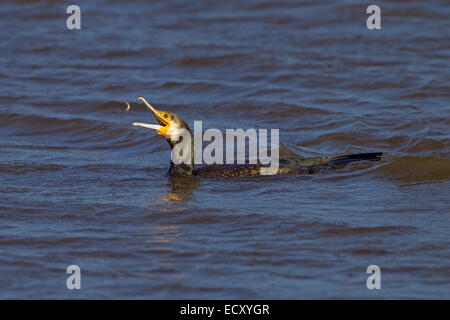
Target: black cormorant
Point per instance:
(170, 125)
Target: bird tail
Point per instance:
(373, 156)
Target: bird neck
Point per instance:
(187, 167)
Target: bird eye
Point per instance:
(166, 115)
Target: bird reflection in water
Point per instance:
(181, 188)
(166, 234)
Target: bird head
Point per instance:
(170, 125)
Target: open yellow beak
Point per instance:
(161, 117)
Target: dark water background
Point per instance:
(80, 185)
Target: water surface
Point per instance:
(80, 185)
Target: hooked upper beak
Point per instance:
(164, 124)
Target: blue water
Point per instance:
(80, 185)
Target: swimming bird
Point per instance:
(170, 125)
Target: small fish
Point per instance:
(128, 106)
